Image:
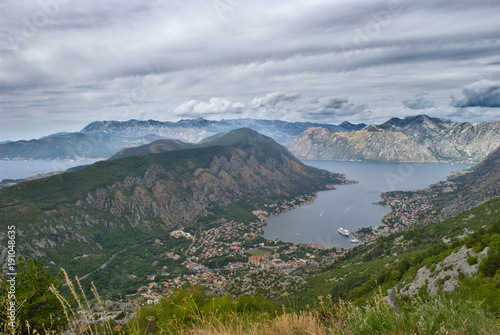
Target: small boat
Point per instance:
(354, 240)
(343, 231)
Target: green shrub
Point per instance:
(36, 307)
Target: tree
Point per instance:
(36, 307)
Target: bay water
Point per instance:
(352, 206)
(25, 169)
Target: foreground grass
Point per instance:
(191, 311)
(435, 316)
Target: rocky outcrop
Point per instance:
(444, 275)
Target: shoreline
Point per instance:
(299, 201)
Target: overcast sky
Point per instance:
(66, 63)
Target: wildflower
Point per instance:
(150, 318)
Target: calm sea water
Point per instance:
(24, 169)
(351, 206)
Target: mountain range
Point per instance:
(412, 139)
(194, 130)
(103, 139)
(78, 219)
(72, 146)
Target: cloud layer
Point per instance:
(66, 63)
(483, 93)
(419, 101)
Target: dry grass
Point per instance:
(435, 316)
(286, 324)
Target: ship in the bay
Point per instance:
(343, 231)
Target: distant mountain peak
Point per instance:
(233, 136)
(348, 126)
(155, 147)
(414, 121)
(237, 137)
(371, 128)
(418, 117)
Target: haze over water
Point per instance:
(351, 206)
(25, 169)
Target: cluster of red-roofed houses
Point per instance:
(269, 260)
(257, 260)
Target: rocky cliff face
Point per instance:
(368, 144)
(173, 197)
(413, 139)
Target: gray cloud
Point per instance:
(338, 106)
(215, 106)
(167, 59)
(336, 102)
(273, 99)
(483, 93)
(419, 101)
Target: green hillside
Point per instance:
(153, 148)
(69, 187)
(393, 261)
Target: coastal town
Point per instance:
(412, 208)
(218, 257)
